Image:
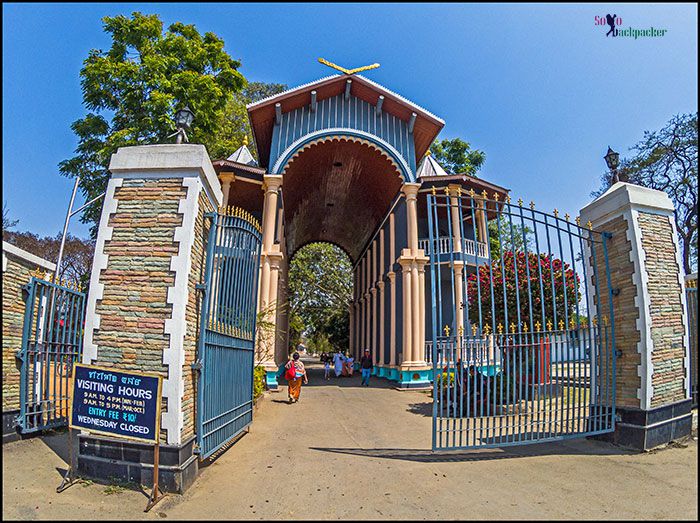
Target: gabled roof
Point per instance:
(429, 166)
(262, 113)
(242, 155)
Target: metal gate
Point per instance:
(52, 340)
(522, 329)
(227, 329)
(691, 301)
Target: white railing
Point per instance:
(444, 246)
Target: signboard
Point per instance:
(116, 403)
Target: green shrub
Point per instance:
(258, 381)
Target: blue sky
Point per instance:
(539, 88)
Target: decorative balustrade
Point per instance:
(445, 246)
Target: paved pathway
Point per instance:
(351, 452)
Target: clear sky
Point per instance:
(539, 88)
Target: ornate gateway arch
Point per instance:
(342, 160)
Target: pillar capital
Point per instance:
(227, 177)
(271, 182)
(373, 291)
(380, 285)
(455, 189)
(410, 190)
(391, 275)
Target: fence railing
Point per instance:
(691, 298)
(444, 246)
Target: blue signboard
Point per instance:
(116, 403)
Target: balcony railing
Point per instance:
(445, 245)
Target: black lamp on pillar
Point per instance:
(183, 121)
(612, 158)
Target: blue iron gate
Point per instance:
(522, 345)
(52, 340)
(691, 301)
(227, 329)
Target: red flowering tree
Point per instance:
(552, 272)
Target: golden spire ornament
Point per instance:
(348, 71)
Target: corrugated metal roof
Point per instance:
(429, 166)
(242, 155)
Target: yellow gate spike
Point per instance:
(472, 192)
(512, 328)
(572, 323)
(460, 330)
(433, 190)
(532, 205)
(495, 195)
(566, 216)
(594, 321)
(474, 329)
(537, 326)
(447, 191)
(507, 198)
(561, 325)
(500, 328)
(578, 221)
(524, 327)
(556, 213)
(549, 325)
(589, 224)
(520, 202)
(447, 330)
(484, 194)
(487, 329)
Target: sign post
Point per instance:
(119, 404)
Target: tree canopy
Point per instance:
(132, 90)
(457, 157)
(320, 289)
(667, 160)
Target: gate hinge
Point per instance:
(196, 449)
(201, 287)
(19, 355)
(618, 353)
(197, 365)
(617, 418)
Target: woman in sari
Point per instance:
(296, 368)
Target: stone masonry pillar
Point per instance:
(651, 325)
(142, 309)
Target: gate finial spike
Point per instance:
(566, 216)
(433, 191)
(561, 325)
(589, 225)
(487, 329)
(520, 202)
(474, 329)
(495, 195)
(549, 325)
(556, 213)
(447, 330)
(532, 205)
(484, 194)
(524, 327)
(578, 221)
(512, 328)
(500, 328)
(537, 326)
(594, 321)
(507, 198)
(447, 191)
(460, 330)
(572, 323)
(472, 192)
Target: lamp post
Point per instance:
(612, 158)
(183, 121)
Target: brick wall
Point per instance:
(134, 307)
(627, 335)
(16, 275)
(666, 310)
(201, 232)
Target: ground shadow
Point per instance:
(422, 409)
(315, 373)
(579, 447)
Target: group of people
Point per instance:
(343, 364)
(295, 372)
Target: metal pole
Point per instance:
(65, 230)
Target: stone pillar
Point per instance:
(270, 258)
(380, 358)
(375, 352)
(142, 309)
(414, 372)
(650, 319)
(459, 309)
(351, 314)
(454, 191)
(392, 323)
(226, 180)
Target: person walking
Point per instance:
(294, 373)
(349, 362)
(338, 360)
(326, 366)
(366, 367)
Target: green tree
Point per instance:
(320, 288)
(457, 157)
(667, 160)
(234, 124)
(505, 232)
(132, 90)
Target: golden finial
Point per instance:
(561, 325)
(474, 329)
(460, 330)
(447, 330)
(556, 213)
(594, 321)
(495, 195)
(537, 326)
(578, 221)
(520, 202)
(589, 224)
(500, 328)
(447, 191)
(428, 153)
(532, 205)
(433, 191)
(524, 327)
(605, 320)
(472, 192)
(38, 273)
(487, 329)
(507, 198)
(512, 327)
(484, 194)
(584, 322)
(459, 191)
(566, 216)
(549, 325)
(245, 140)
(348, 71)
(572, 323)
